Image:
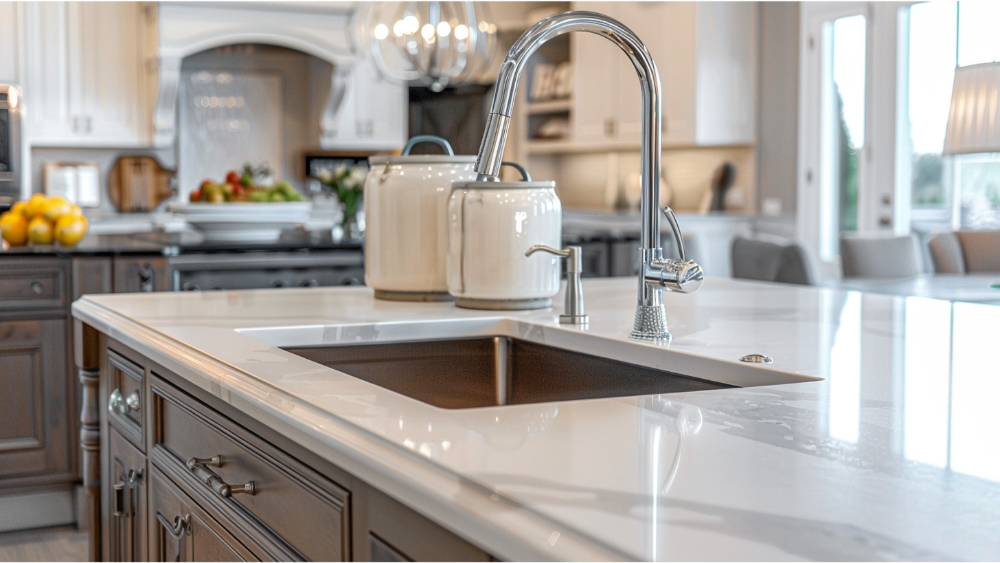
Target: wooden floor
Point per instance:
(48, 544)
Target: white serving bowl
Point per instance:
(243, 221)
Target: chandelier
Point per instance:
(434, 43)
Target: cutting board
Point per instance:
(139, 183)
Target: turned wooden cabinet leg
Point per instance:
(90, 442)
(88, 362)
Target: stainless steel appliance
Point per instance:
(263, 269)
(10, 145)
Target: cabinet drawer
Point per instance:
(30, 284)
(180, 530)
(126, 403)
(307, 512)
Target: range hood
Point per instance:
(321, 29)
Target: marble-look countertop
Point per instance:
(894, 454)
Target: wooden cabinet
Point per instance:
(706, 57)
(140, 274)
(34, 402)
(85, 79)
(208, 483)
(180, 530)
(126, 500)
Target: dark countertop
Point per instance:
(172, 244)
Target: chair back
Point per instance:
(880, 257)
(981, 250)
(754, 259)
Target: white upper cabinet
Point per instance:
(597, 94)
(368, 113)
(10, 48)
(85, 82)
(706, 56)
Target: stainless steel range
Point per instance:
(261, 269)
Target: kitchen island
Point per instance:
(872, 435)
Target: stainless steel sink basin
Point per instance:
(493, 371)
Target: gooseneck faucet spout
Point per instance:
(655, 272)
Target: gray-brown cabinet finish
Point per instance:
(217, 485)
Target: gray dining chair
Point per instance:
(965, 252)
(775, 261)
(880, 257)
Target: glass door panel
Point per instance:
(842, 130)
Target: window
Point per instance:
(946, 191)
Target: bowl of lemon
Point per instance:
(43, 220)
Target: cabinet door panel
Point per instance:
(10, 65)
(106, 69)
(181, 531)
(34, 402)
(140, 275)
(596, 92)
(47, 88)
(127, 499)
(668, 30)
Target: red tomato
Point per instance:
(196, 195)
(232, 177)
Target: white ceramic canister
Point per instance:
(490, 227)
(406, 239)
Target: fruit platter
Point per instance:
(239, 209)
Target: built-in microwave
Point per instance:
(10, 145)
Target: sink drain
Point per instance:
(757, 359)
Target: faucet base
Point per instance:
(650, 323)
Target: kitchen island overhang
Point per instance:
(753, 473)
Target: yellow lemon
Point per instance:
(19, 208)
(14, 228)
(36, 206)
(71, 229)
(40, 231)
(56, 208)
(75, 211)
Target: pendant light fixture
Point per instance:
(434, 43)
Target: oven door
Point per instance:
(260, 270)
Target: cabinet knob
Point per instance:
(132, 401)
(36, 288)
(118, 404)
(609, 127)
(146, 279)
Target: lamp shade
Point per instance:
(972, 120)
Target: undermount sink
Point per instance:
(494, 371)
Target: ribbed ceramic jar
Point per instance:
(490, 227)
(406, 240)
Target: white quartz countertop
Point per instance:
(894, 454)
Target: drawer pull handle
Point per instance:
(214, 482)
(120, 405)
(180, 528)
(36, 288)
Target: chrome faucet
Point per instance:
(656, 273)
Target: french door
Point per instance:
(834, 102)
